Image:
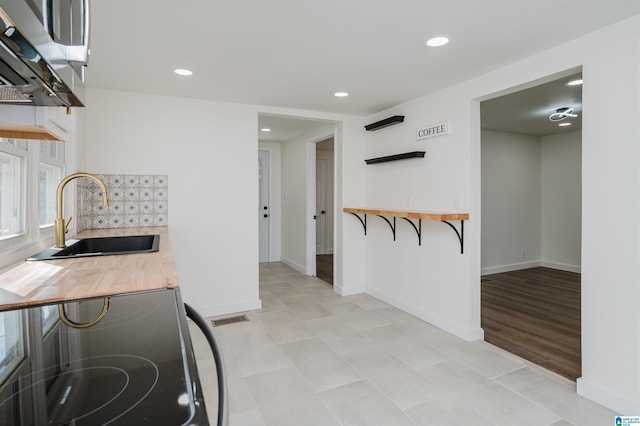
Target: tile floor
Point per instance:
(312, 357)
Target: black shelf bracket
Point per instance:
(418, 228)
(459, 234)
(363, 222)
(393, 227)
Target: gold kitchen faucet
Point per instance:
(60, 227)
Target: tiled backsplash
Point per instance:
(134, 200)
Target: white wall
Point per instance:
(531, 201)
(209, 152)
(330, 195)
(275, 199)
(439, 284)
(294, 199)
(349, 142)
(294, 188)
(561, 213)
(430, 281)
(511, 201)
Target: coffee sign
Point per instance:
(433, 130)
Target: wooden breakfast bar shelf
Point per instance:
(410, 216)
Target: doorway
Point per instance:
(264, 212)
(291, 144)
(531, 185)
(324, 209)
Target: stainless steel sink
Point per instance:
(103, 246)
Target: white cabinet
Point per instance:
(31, 122)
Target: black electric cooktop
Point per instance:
(134, 367)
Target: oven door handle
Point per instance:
(203, 325)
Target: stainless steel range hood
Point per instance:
(43, 51)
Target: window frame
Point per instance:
(22, 155)
(56, 161)
(34, 237)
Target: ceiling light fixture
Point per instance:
(577, 82)
(564, 124)
(265, 129)
(341, 94)
(437, 41)
(183, 71)
(562, 113)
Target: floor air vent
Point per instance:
(229, 320)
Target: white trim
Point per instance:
(339, 289)
(561, 266)
(468, 334)
(311, 199)
(214, 311)
(311, 209)
(526, 265)
(298, 267)
(614, 401)
(270, 215)
(34, 237)
(511, 267)
(275, 198)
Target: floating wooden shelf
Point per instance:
(395, 157)
(409, 216)
(384, 123)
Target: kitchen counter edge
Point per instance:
(54, 281)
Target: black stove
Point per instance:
(134, 367)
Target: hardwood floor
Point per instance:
(535, 314)
(324, 267)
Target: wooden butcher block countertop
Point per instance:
(408, 214)
(48, 281)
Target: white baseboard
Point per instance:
(561, 266)
(214, 311)
(349, 291)
(468, 334)
(511, 267)
(611, 400)
(294, 265)
(526, 265)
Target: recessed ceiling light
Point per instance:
(564, 124)
(341, 94)
(437, 41)
(577, 82)
(183, 71)
(265, 129)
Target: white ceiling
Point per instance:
(284, 129)
(297, 53)
(527, 111)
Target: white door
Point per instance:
(321, 206)
(263, 206)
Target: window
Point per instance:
(51, 173)
(11, 342)
(49, 316)
(30, 171)
(12, 182)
